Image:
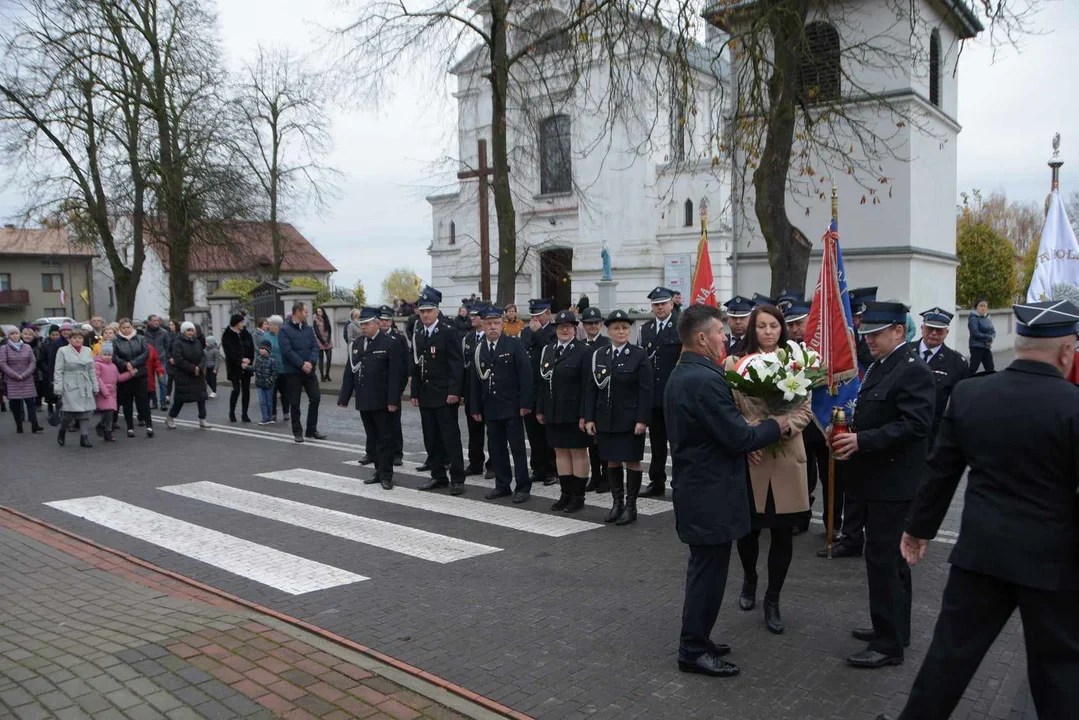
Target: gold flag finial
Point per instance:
(835, 205)
(1056, 162)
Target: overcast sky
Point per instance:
(1009, 109)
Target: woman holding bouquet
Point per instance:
(778, 479)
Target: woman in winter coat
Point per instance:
(982, 334)
(131, 352)
(324, 337)
(75, 383)
(239, 349)
(43, 379)
(189, 375)
(18, 366)
(108, 377)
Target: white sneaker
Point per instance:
(213, 394)
(170, 423)
(205, 424)
(264, 422)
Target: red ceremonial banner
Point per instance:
(826, 328)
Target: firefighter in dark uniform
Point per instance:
(469, 341)
(659, 338)
(1017, 431)
(738, 311)
(375, 377)
(385, 323)
(617, 409)
(436, 381)
(858, 299)
(564, 369)
(592, 320)
(501, 387)
(885, 454)
(538, 334)
(948, 366)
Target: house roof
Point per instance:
(237, 247)
(50, 242)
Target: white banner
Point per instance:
(1058, 253)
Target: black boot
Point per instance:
(748, 599)
(84, 441)
(618, 493)
(565, 481)
(592, 482)
(602, 484)
(62, 434)
(772, 619)
(18, 428)
(633, 488)
(576, 499)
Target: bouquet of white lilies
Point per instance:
(779, 381)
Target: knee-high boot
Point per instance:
(576, 499)
(633, 488)
(616, 476)
(566, 483)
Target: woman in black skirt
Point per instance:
(618, 407)
(564, 369)
(592, 320)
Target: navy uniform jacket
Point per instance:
(534, 342)
(406, 355)
(601, 341)
(468, 349)
(663, 351)
(709, 442)
(736, 347)
(507, 389)
(1018, 431)
(561, 399)
(373, 375)
(948, 367)
(893, 418)
(438, 365)
(865, 357)
(627, 398)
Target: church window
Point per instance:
(539, 25)
(555, 169)
(678, 127)
(453, 233)
(934, 68)
(689, 213)
(820, 73)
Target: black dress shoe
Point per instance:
(872, 660)
(748, 599)
(708, 664)
(387, 484)
(316, 435)
(521, 497)
(772, 619)
(841, 550)
(434, 484)
(367, 460)
(869, 635)
(550, 480)
(246, 418)
(299, 437)
(426, 467)
(85, 442)
(371, 481)
(398, 462)
(473, 470)
(654, 490)
(489, 475)
(457, 488)
(721, 649)
(497, 493)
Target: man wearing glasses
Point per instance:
(948, 366)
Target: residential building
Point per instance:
(43, 274)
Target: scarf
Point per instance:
(17, 345)
(127, 337)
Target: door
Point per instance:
(556, 267)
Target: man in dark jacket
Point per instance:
(469, 340)
(1018, 431)
(299, 350)
(385, 324)
(709, 444)
(158, 338)
(538, 334)
(886, 457)
(659, 338)
(948, 366)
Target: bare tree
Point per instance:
(281, 107)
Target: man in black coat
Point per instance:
(374, 375)
(469, 340)
(592, 322)
(501, 387)
(948, 366)
(885, 455)
(436, 383)
(659, 338)
(710, 440)
(738, 312)
(385, 323)
(1018, 431)
(538, 334)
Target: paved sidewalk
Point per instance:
(96, 636)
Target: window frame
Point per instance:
(51, 287)
(822, 63)
(453, 233)
(678, 128)
(5, 282)
(936, 84)
(556, 128)
(55, 312)
(688, 207)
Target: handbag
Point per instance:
(56, 415)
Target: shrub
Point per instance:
(986, 266)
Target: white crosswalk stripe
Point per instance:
(462, 507)
(377, 533)
(286, 572)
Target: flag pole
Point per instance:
(832, 389)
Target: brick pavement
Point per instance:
(95, 636)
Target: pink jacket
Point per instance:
(107, 377)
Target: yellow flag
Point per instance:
(85, 295)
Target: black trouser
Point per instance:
(396, 435)
(888, 575)
(657, 437)
(107, 421)
(973, 611)
(307, 383)
(281, 389)
(594, 463)
(241, 388)
(378, 427)
(853, 512)
(541, 460)
(131, 392)
(17, 411)
(506, 437)
(981, 356)
(442, 439)
(780, 552)
(475, 440)
(325, 356)
(817, 470)
(211, 379)
(706, 577)
(178, 405)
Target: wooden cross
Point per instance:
(483, 172)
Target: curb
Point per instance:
(403, 667)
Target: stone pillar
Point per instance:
(221, 306)
(290, 295)
(198, 315)
(337, 312)
(608, 295)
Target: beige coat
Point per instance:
(785, 473)
(74, 379)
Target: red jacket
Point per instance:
(154, 369)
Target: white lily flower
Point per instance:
(794, 386)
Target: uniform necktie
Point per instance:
(558, 352)
(928, 355)
(365, 344)
(491, 347)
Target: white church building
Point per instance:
(582, 183)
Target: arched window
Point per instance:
(689, 213)
(537, 27)
(819, 76)
(934, 67)
(555, 169)
(453, 233)
(678, 126)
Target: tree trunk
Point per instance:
(275, 227)
(500, 183)
(788, 247)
